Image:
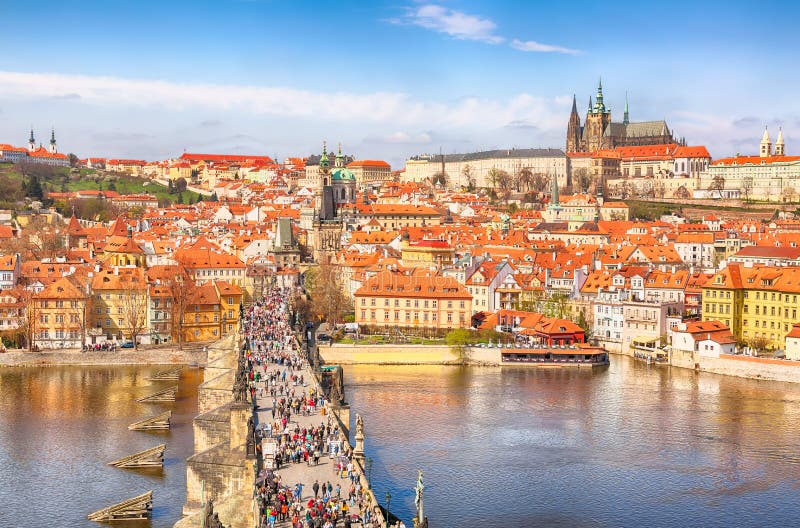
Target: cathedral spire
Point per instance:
(626, 116)
(598, 104)
(590, 104)
(574, 104)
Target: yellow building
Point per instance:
(212, 311)
(758, 303)
(119, 297)
(426, 253)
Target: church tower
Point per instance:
(597, 120)
(32, 142)
(574, 129)
(766, 145)
(626, 116)
(780, 148)
(53, 149)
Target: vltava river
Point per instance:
(60, 426)
(629, 446)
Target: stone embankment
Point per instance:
(349, 354)
(738, 366)
(163, 356)
(741, 366)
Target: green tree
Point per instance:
(33, 188)
(180, 185)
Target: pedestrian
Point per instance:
(315, 487)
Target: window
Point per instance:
(363, 302)
(363, 314)
(449, 317)
(461, 305)
(396, 303)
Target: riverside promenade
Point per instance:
(309, 474)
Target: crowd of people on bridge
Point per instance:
(279, 385)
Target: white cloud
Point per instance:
(399, 109)
(401, 138)
(531, 45)
(457, 24)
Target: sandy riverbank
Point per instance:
(162, 356)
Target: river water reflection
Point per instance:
(60, 426)
(629, 445)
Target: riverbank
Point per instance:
(736, 366)
(164, 356)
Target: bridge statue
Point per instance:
(420, 521)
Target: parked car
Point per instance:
(127, 344)
(324, 338)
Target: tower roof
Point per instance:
(765, 137)
(779, 141)
(574, 105)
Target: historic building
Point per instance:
(337, 189)
(34, 154)
(599, 132)
(474, 169)
(771, 176)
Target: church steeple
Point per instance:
(591, 110)
(599, 107)
(626, 116)
(53, 148)
(766, 145)
(574, 128)
(339, 158)
(32, 141)
(780, 147)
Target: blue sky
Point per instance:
(148, 79)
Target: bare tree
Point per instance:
(28, 318)
(540, 182)
(582, 180)
(524, 179)
(502, 181)
(717, 185)
(681, 193)
(134, 309)
(180, 288)
(327, 298)
(747, 187)
(466, 173)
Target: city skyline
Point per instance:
(392, 79)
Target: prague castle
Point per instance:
(599, 132)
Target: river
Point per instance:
(626, 446)
(60, 426)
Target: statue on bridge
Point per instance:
(420, 521)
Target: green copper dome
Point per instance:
(342, 174)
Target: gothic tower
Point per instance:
(766, 145)
(597, 121)
(32, 142)
(574, 129)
